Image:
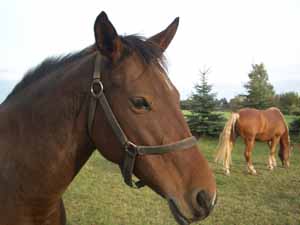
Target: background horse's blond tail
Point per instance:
(226, 142)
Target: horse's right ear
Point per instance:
(107, 39)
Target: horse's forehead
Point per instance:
(167, 80)
(160, 77)
(135, 68)
(132, 66)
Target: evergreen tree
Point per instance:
(203, 120)
(260, 90)
(185, 104)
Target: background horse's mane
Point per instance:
(147, 50)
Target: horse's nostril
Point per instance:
(202, 199)
(205, 202)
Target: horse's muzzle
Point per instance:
(202, 206)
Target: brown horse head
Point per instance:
(146, 105)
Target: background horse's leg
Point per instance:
(272, 159)
(249, 142)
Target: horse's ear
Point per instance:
(108, 41)
(164, 38)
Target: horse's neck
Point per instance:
(51, 142)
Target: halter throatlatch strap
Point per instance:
(131, 150)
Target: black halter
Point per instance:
(131, 150)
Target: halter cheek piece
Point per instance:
(131, 150)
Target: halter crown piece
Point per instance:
(131, 150)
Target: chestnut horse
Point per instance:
(113, 96)
(251, 124)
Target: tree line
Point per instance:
(204, 117)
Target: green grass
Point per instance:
(98, 196)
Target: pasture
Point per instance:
(98, 195)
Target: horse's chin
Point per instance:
(181, 219)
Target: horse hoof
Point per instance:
(252, 172)
(271, 168)
(227, 173)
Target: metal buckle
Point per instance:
(96, 94)
(131, 149)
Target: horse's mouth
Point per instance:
(181, 219)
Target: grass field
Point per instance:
(98, 196)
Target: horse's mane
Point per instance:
(47, 66)
(148, 51)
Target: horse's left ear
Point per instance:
(164, 38)
(108, 41)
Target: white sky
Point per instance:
(227, 36)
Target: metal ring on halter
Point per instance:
(97, 94)
(131, 149)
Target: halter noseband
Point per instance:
(131, 150)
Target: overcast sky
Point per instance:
(227, 36)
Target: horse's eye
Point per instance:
(140, 103)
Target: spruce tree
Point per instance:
(203, 120)
(260, 90)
